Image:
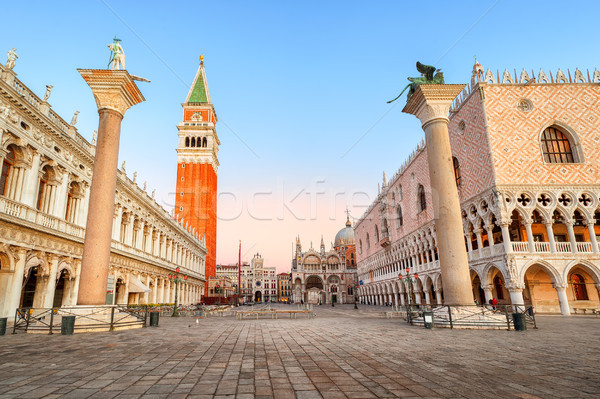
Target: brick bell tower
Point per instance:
(197, 164)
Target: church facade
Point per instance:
(326, 277)
(527, 165)
(46, 172)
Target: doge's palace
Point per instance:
(525, 151)
(44, 191)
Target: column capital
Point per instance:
(559, 286)
(432, 101)
(113, 89)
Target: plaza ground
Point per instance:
(341, 353)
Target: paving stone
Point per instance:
(341, 353)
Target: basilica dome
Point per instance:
(345, 236)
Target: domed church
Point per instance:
(326, 277)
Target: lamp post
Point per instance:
(355, 284)
(408, 281)
(218, 289)
(176, 279)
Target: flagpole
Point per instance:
(240, 270)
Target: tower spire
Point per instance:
(199, 92)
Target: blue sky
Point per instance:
(300, 89)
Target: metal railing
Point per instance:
(469, 316)
(109, 317)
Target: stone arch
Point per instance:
(588, 266)
(487, 273)
(546, 266)
(65, 264)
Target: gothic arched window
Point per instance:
(193, 142)
(400, 217)
(421, 197)
(456, 170)
(556, 146)
(204, 142)
(187, 141)
(376, 234)
(579, 287)
(360, 246)
(368, 241)
(199, 142)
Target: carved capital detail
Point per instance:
(432, 101)
(113, 89)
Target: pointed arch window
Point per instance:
(421, 198)
(376, 233)
(193, 142)
(204, 142)
(556, 146)
(368, 241)
(360, 246)
(400, 217)
(187, 141)
(456, 170)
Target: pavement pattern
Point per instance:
(342, 353)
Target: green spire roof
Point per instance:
(198, 94)
(199, 91)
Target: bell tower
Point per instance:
(197, 164)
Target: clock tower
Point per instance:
(197, 164)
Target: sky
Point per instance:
(300, 90)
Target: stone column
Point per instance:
(16, 284)
(489, 228)
(530, 241)
(516, 296)
(479, 242)
(487, 290)
(561, 290)
(438, 296)
(427, 297)
(590, 226)
(431, 103)
(51, 284)
(114, 92)
(569, 224)
(506, 236)
(550, 233)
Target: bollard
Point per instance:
(3, 321)
(154, 316)
(67, 325)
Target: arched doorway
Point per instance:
(314, 287)
(540, 291)
(29, 288)
(258, 296)
(61, 292)
(582, 292)
(478, 292)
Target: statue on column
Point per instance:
(48, 90)
(427, 77)
(94, 137)
(117, 55)
(12, 57)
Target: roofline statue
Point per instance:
(427, 77)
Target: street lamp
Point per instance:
(408, 281)
(175, 278)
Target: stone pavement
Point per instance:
(342, 353)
